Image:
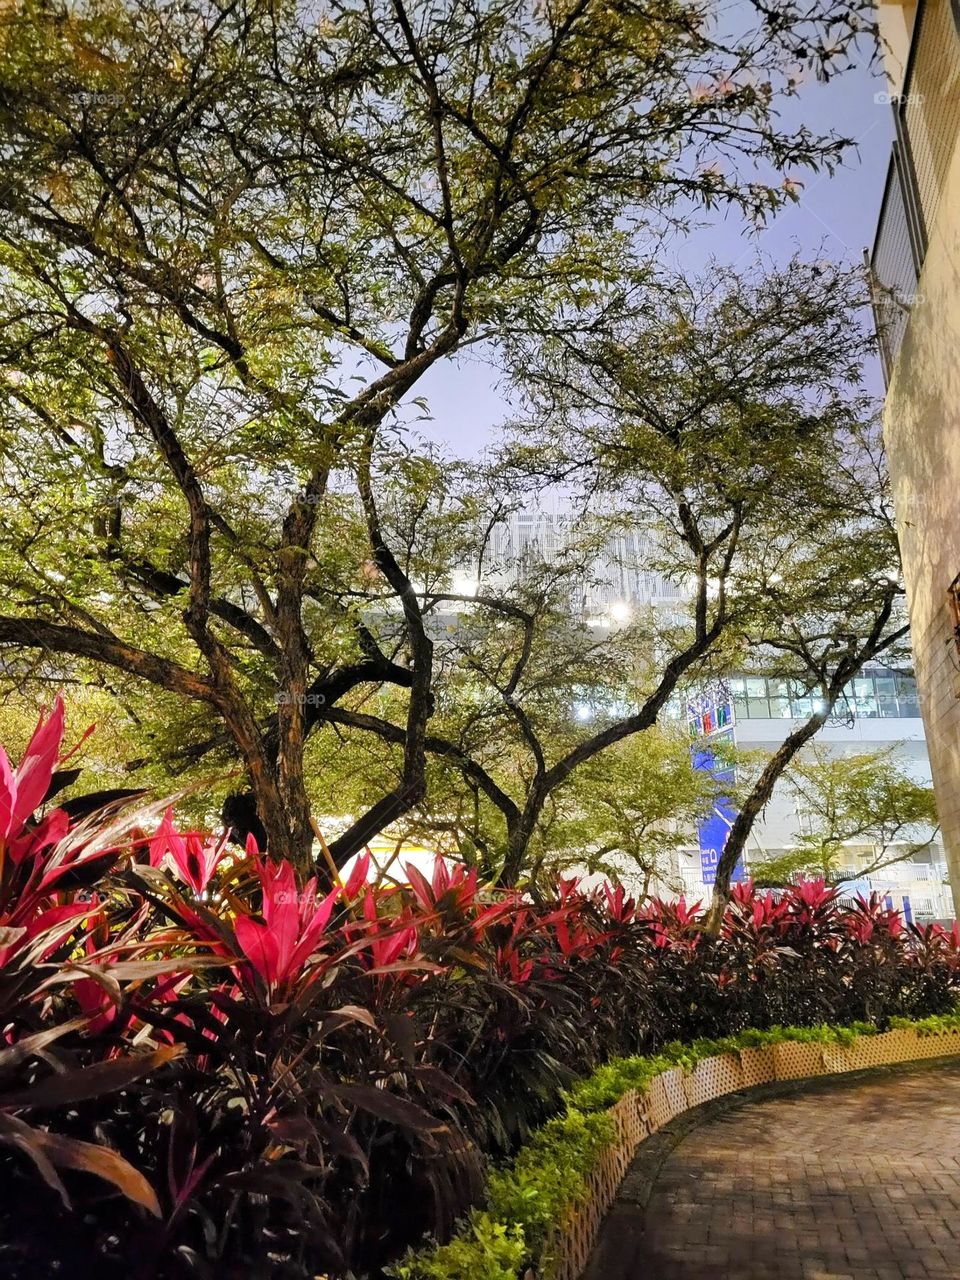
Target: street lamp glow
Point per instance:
(620, 611)
(464, 584)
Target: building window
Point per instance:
(885, 695)
(865, 706)
(908, 704)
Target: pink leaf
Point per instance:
(311, 935)
(36, 768)
(358, 876)
(8, 795)
(259, 946)
(420, 886)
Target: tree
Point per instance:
(852, 612)
(628, 811)
(867, 799)
(718, 436)
(235, 237)
(723, 418)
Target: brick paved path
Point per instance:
(858, 1183)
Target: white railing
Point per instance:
(934, 899)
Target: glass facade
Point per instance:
(885, 695)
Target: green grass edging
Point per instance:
(547, 1179)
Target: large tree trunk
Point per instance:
(248, 813)
(519, 834)
(281, 814)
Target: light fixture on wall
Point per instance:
(953, 644)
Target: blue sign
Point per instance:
(712, 835)
(857, 886)
(907, 908)
(713, 831)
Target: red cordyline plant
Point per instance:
(871, 920)
(29, 906)
(45, 866)
(281, 945)
(673, 925)
(270, 1080)
(194, 858)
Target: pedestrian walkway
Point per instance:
(858, 1183)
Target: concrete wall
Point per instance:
(895, 20)
(922, 428)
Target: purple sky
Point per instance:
(836, 218)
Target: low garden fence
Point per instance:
(500, 1244)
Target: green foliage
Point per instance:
(935, 1025)
(486, 1250)
(822, 1034)
(610, 1082)
(548, 1176)
(867, 800)
(525, 1200)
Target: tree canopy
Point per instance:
(861, 811)
(235, 236)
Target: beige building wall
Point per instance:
(922, 429)
(896, 26)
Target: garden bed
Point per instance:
(331, 1072)
(544, 1213)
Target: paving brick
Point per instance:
(856, 1185)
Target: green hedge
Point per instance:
(548, 1176)
(937, 1024)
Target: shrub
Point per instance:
(485, 1250)
(935, 1025)
(208, 1067)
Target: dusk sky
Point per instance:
(835, 218)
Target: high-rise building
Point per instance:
(915, 265)
(878, 711)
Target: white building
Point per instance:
(880, 709)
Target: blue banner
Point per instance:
(713, 831)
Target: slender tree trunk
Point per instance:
(751, 809)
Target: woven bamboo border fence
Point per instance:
(639, 1114)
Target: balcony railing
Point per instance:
(927, 120)
(894, 265)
